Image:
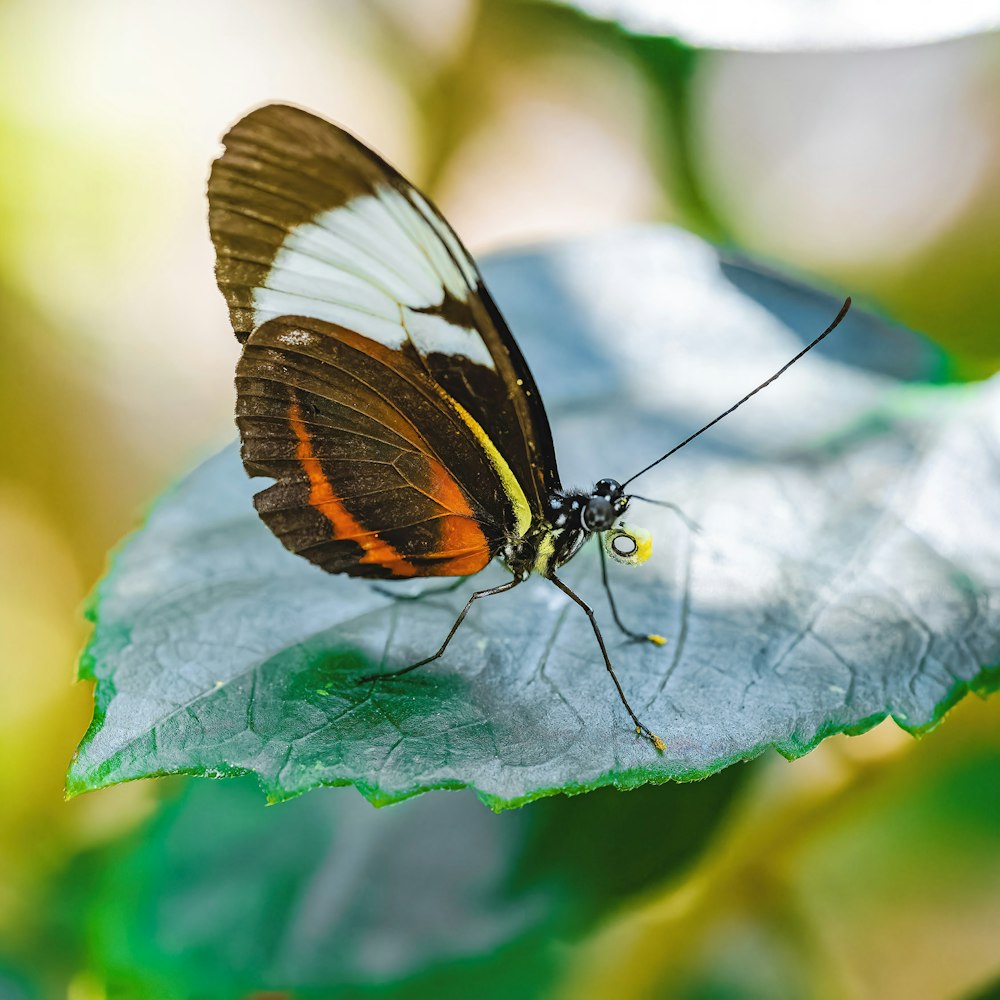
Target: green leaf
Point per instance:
(847, 568)
(221, 897)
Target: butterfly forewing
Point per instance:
(379, 385)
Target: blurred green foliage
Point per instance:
(432, 898)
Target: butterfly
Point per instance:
(380, 387)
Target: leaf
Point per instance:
(777, 25)
(434, 897)
(847, 567)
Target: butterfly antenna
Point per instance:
(781, 371)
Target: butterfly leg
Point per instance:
(657, 640)
(509, 585)
(689, 523)
(429, 592)
(641, 729)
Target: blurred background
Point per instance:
(871, 165)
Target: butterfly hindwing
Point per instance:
(379, 385)
(376, 471)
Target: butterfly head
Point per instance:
(605, 505)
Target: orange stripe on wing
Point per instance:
(459, 530)
(322, 497)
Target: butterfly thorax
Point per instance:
(571, 517)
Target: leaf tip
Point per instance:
(76, 783)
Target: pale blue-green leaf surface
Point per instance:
(847, 567)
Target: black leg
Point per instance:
(656, 640)
(429, 592)
(509, 585)
(639, 727)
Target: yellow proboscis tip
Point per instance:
(656, 640)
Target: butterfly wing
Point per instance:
(379, 385)
(377, 473)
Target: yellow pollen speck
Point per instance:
(656, 640)
(653, 738)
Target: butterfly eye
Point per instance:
(599, 514)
